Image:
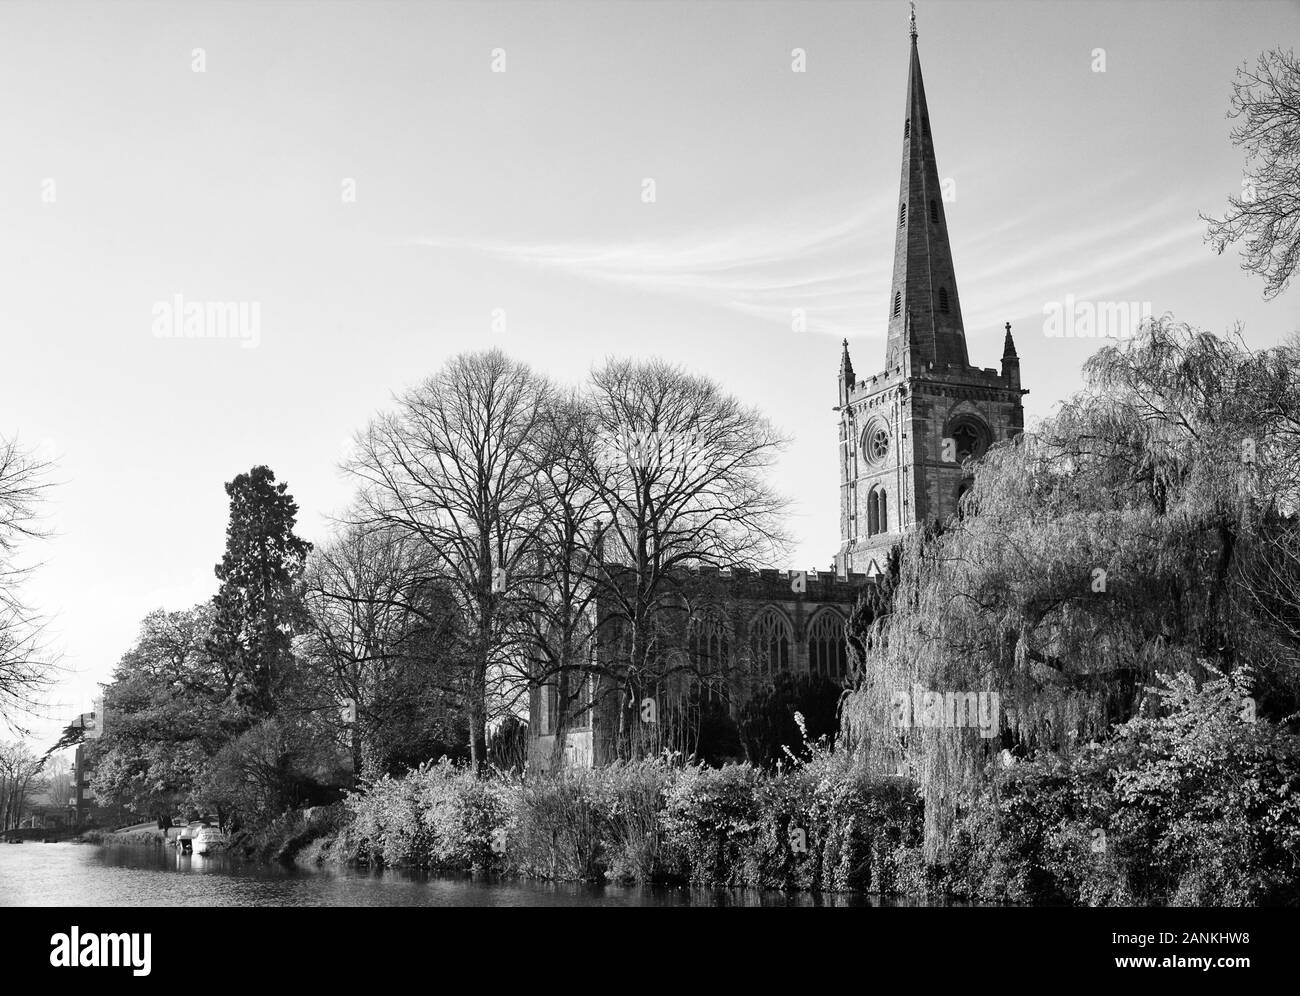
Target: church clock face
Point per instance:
(875, 443)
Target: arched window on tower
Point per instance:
(934, 213)
(943, 300)
(884, 511)
(827, 652)
(898, 304)
(769, 643)
(873, 512)
(902, 215)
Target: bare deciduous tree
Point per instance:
(24, 666)
(681, 475)
(559, 621)
(371, 618)
(457, 465)
(19, 764)
(1266, 217)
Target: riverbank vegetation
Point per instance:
(1120, 590)
(1193, 807)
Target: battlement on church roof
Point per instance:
(986, 378)
(773, 574)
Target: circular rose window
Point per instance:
(875, 443)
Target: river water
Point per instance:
(36, 874)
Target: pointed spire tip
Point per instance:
(912, 21)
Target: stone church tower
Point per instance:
(905, 432)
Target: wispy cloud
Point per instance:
(831, 265)
(816, 258)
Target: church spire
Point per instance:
(924, 282)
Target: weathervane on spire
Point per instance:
(913, 20)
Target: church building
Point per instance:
(905, 433)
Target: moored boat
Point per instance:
(209, 840)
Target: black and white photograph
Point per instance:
(649, 453)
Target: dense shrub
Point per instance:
(822, 824)
(436, 816)
(819, 824)
(283, 838)
(636, 845)
(710, 820)
(559, 825)
(1195, 806)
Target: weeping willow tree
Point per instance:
(1148, 528)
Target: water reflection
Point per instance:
(85, 875)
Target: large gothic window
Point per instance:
(827, 651)
(769, 643)
(884, 511)
(708, 641)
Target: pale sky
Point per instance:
(522, 190)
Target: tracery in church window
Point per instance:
(709, 642)
(827, 651)
(769, 643)
(971, 437)
(875, 442)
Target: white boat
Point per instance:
(209, 840)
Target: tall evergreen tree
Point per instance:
(259, 606)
